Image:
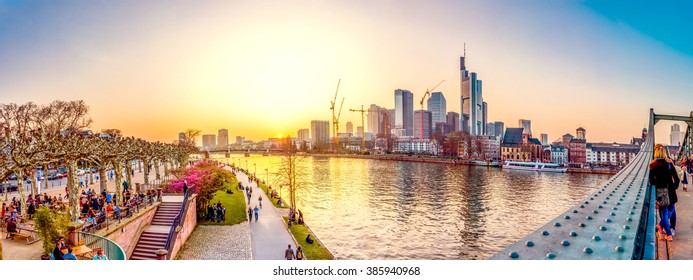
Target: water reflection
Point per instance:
(372, 209)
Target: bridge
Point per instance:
(616, 222)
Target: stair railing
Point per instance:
(180, 218)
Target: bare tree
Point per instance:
(291, 171)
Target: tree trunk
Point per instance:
(45, 180)
(20, 189)
(139, 164)
(91, 177)
(128, 174)
(74, 190)
(34, 182)
(156, 169)
(102, 178)
(118, 170)
(146, 171)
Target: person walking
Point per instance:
(299, 253)
(664, 178)
(289, 253)
(250, 214)
(257, 212)
(259, 200)
(684, 178)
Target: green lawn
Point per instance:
(234, 204)
(313, 251)
(274, 200)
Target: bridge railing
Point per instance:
(615, 222)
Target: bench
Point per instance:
(20, 235)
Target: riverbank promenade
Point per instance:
(269, 235)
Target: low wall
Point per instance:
(127, 233)
(187, 228)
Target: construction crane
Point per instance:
(336, 123)
(363, 127)
(428, 93)
(334, 117)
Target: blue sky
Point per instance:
(266, 68)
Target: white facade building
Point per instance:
(417, 146)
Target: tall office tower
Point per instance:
(526, 126)
(500, 129)
(375, 119)
(223, 138)
(544, 139)
(209, 140)
(422, 124)
(404, 111)
(303, 135)
(484, 116)
(390, 121)
(437, 105)
(181, 137)
(676, 136)
(350, 128)
(320, 134)
(580, 133)
(491, 129)
(359, 131)
(471, 101)
(453, 121)
(240, 140)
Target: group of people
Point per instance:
(216, 212)
(60, 246)
(252, 211)
(665, 179)
(37, 201)
(290, 255)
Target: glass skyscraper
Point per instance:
(437, 106)
(472, 102)
(404, 111)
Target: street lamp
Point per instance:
(246, 165)
(254, 169)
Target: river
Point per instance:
(380, 210)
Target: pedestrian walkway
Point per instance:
(682, 246)
(269, 235)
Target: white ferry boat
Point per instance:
(534, 166)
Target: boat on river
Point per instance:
(534, 166)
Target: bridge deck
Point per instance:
(609, 224)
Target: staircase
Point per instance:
(165, 214)
(154, 237)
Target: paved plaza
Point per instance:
(218, 243)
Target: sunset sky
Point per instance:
(267, 68)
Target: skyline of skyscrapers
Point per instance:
(223, 137)
(437, 105)
(471, 102)
(453, 121)
(209, 140)
(422, 124)
(303, 135)
(320, 134)
(404, 112)
(676, 136)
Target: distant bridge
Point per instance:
(616, 222)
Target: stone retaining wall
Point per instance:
(127, 233)
(187, 228)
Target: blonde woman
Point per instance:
(664, 178)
